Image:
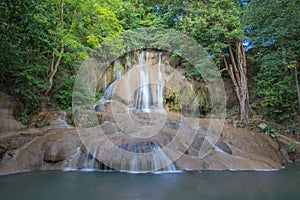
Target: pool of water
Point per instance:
(65, 185)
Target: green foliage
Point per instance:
(187, 101)
(203, 101)
(292, 146)
(269, 128)
(38, 33)
(190, 72)
(274, 32)
(172, 101)
(24, 39)
(117, 68)
(63, 91)
(277, 135)
(214, 25)
(23, 117)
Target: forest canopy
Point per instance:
(43, 43)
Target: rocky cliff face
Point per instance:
(169, 64)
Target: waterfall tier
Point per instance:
(141, 88)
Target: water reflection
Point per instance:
(282, 184)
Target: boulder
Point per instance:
(54, 151)
(51, 151)
(9, 108)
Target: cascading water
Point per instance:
(86, 163)
(94, 156)
(128, 87)
(145, 156)
(144, 92)
(109, 91)
(73, 160)
(118, 74)
(62, 120)
(140, 89)
(159, 85)
(161, 159)
(104, 81)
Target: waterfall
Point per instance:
(141, 87)
(144, 92)
(128, 87)
(128, 92)
(159, 85)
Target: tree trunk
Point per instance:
(238, 74)
(297, 81)
(55, 62)
(244, 83)
(53, 69)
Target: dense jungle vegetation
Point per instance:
(43, 43)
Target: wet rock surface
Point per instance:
(55, 145)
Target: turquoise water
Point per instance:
(56, 185)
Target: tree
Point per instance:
(45, 41)
(216, 25)
(82, 26)
(24, 41)
(274, 29)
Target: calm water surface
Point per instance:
(284, 184)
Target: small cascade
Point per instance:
(153, 161)
(73, 160)
(19, 151)
(117, 68)
(145, 156)
(161, 159)
(86, 163)
(130, 106)
(62, 120)
(134, 164)
(118, 74)
(94, 156)
(90, 161)
(109, 91)
(104, 81)
(106, 96)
